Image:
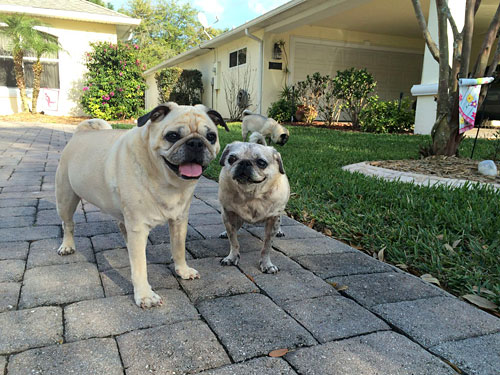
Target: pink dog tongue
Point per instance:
(190, 169)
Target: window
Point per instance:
(238, 57)
(50, 63)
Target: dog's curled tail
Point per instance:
(246, 112)
(93, 124)
(256, 137)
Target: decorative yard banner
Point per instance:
(49, 99)
(469, 96)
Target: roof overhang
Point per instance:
(71, 15)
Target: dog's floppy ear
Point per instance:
(277, 157)
(217, 118)
(224, 155)
(156, 114)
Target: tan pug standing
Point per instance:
(253, 188)
(143, 177)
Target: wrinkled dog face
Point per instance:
(280, 134)
(184, 137)
(251, 163)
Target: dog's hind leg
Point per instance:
(244, 131)
(66, 203)
(233, 223)
(272, 226)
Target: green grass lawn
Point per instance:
(413, 224)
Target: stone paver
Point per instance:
(377, 353)
(219, 247)
(333, 317)
(24, 329)
(342, 264)
(14, 250)
(117, 282)
(216, 281)
(249, 325)
(291, 283)
(387, 287)
(311, 246)
(232, 314)
(30, 233)
(476, 356)
(85, 319)
(44, 253)
(259, 366)
(9, 295)
(184, 347)
(96, 356)
(433, 321)
(60, 284)
(11, 270)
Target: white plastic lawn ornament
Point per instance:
(487, 167)
(469, 89)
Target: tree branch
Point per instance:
(467, 37)
(489, 39)
(454, 28)
(494, 62)
(444, 68)
(433, 48)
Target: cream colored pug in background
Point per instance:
(268, 127)
(143, 177)
(253, 188)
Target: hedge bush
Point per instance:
(114, 86)
(387, 116)
(178, 85)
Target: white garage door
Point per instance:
(394, 71)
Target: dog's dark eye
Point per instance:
(172, 137)
(212, 137)
(261, 163)
(232, 159)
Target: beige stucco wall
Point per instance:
(75, 38)
(273, 80)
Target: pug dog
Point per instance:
(253, 188)
(266, 126)
(143, 177)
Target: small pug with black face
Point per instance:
(143, 177)
(268, 127)
(253, 188)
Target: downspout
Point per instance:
(261, 70)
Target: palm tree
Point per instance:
(40, 44)
(20, 31)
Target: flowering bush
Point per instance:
(114, 85)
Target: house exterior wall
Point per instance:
(75, 38)
(275, 80)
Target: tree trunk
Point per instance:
(37, 75)
(18, 70)
(445, 137)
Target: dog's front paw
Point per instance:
(230, 260)
(65, 250)
(280, 233)
(268, 267)
(187, 273)
(223, 235)
(147, 299)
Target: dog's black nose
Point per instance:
(195, 143)
(245, 163)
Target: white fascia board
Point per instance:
(71, 15)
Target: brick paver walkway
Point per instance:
(75, 314)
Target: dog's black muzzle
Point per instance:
(243, 173)
(194, 151)
(283, 139)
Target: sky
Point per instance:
(231, 13)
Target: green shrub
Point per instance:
(387, 116)
(354, 86)
(281, 110)
(178, 85)
(114, 86)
